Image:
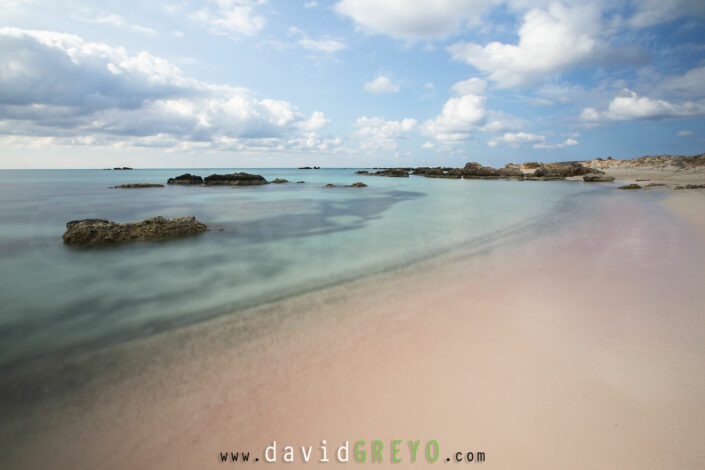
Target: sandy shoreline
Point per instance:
(580, 348)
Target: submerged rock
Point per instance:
(279, 181)
(235, 179)
(300, 182)
(630, 186)
(359, 184)
(137, 185)
(186, 178)
(329, 185)
(598, 179)
(691, 186)
(102, 231)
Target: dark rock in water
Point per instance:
(691, 186)
(598, 179)
(630, 186)
(305, 168)
(655, 185)
(329, 185)
(545, 172)
(359, 184)
(510, 172)
(279, 181)
(475, 170)
(392, 172)
(235, 179)
(122, 168)
(102, 231)
(137, 185)
(186, 178)
(568, 169)
(316, 167)
(300, 182)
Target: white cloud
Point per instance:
(381, 84)
(232, 17)
(691, 84)
(471, 86)
(550, 41)
(101, 92)
(631, 106)
(413, 19)
(652, 12)
(322, 45)
(520, 139)
(565, 143)
(684, 133)
(315, 122)
(516, 139)
(312, 4)
(429, 86)
(118, 22)
(428, 145)
(376, 133)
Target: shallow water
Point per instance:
(277, 240)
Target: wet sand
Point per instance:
(580, 349)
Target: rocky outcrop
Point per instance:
(102, 231)
(300, 182)
(279, 181)
(691, 186)
(329, 185)
(568, 169)
(510, 172)
(392, 172)
(186, 178)
(359, 184)
(122, 168)
(545, 173)
(475, 170)
(235, 179)
(137, 185)
(630, 186)
(598, 179)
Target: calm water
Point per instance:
(278, 240)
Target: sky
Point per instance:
(347, 83)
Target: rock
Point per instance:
(362, 172)
(235, 179)
(598, 179)
(510, 172)
(630, 186)
(545, 172)
(305, 168)
(655, 185)
(186, 178)
(568, 169)
(691, 186)
(359, 184)
(137, 185)
(329, 185)
(300, 182)
(475, 170)
(122, 168)
(391, 172)
(102, 231)
(279, 181)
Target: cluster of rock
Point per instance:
(234, 179)
(137, 185)
(474, 170)
(359, 184)
(102, 231)
(186, 178)
(309, 168)
(691, 186)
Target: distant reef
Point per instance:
(137, 185)
(474, 170)
(102, 231)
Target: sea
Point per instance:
(265, 243)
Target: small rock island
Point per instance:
(103, 231)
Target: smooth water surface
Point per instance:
(277, 240)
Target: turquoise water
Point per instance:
(277, 240)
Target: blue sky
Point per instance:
(262, 83)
